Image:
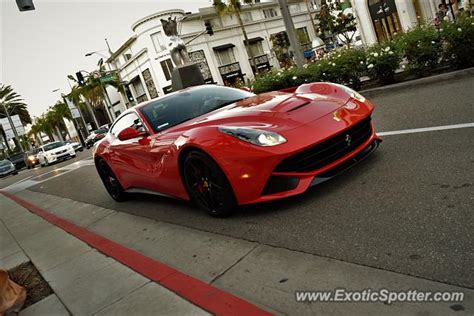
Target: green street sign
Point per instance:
(108, 78)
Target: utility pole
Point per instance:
(290, 30)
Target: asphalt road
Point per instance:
(407, 208)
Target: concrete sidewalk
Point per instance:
(264, 275)
(85, 282)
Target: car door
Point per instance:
(130, 159)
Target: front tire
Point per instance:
(111, 183)
(207, 185)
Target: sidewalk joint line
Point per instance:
(234, 264)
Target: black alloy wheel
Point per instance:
(111, 183)
(207, 185)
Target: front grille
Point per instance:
(329, 150)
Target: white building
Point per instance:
(379, 20)
(145, 64)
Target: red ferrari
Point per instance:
(222, 147)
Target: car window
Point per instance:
(16, 156)
(187, 104)
(5, 163)
(101, 131)
(128, 120)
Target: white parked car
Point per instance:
(54, 152)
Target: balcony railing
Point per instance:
(225, 69)
(259, 60)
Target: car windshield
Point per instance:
(17, 155)
(100, 131)
(188, 104)
(53, 146)
(4, 163)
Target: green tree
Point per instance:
(233, 8)
(93, 89)
(334, 21)
(12, 102)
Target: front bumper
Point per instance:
(264, 174)
(60, 157)
(297, 183)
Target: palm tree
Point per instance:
(60, 112)
(43, 125)
(11, 102)
(233, 7)
(93, 89)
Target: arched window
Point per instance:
(384, 18)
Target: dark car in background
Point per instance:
(7, 168)
(18, 160)
(95, 136)
(31, 158)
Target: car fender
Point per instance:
(246, 166)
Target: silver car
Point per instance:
(7, 168)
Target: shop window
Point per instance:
(269, 13)
(246, 16)
(225, 56)
(139, 89)
(157, 42)
(256, 49)
(167, 67)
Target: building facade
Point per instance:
(145, 65)
(379, 20)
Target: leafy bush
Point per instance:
(421, 46)
(382, 61)
(280, 79)
(458, 37)
(344, 67)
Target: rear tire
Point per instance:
(111, 183)
(207, 185)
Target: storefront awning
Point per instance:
(223, 47)
(254, 40)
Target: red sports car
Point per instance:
(222, 147)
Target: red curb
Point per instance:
(206, 296)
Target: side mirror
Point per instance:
(129, 133)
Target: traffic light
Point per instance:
(209, 29)
(25, 5)
(80, 78)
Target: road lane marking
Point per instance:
(198, 292)
(426, 129)
(36, 179)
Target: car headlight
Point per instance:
(352, 93)
(254, 136)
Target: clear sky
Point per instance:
(38, 49)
